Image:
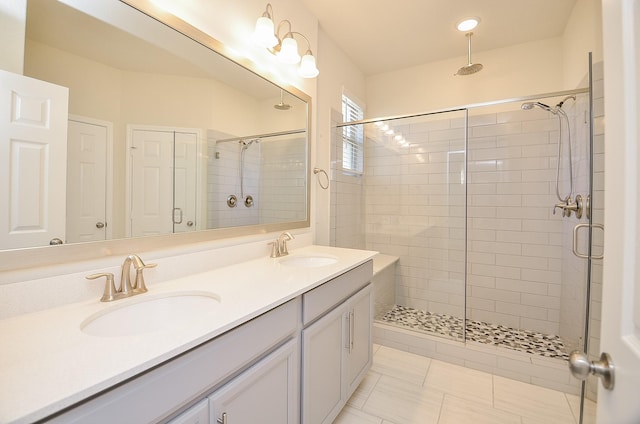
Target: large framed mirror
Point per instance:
(166, 137)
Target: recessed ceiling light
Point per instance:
(467, 24)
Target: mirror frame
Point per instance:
(20, 259)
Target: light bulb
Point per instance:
(308, 68)
(289, 51)
(467, 24)
(264, 33)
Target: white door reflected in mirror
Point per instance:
(33, 155)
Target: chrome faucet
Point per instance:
(279, 246)
(126, 289)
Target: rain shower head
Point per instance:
(531, 105)
(282, 105)
(469, 68)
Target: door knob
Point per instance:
(99, 224)
(581, 367)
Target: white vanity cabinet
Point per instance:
(336, 343)
(298, 362)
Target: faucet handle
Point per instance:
(109, 288)
(138, 285)
(274, 249)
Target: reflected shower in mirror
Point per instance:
(149, 111)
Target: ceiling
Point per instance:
(381, 36)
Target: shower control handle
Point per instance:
(581, 368)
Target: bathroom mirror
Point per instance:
(165, 134)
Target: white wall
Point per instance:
(508, 72)
(583, 34)
(13, 15)
(337, 72)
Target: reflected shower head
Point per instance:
(246, 144)
(282, 105)
(530, 105)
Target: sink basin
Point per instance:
(141, 315)
(308, 261)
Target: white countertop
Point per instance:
(47, 363)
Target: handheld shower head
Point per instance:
(246, 144)
(531, 105)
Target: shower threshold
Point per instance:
(550, 346)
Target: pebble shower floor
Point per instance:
(498, 335)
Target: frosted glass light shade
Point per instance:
(264, 33)
(289, 51)
(308, 68)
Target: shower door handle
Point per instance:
(576, 229)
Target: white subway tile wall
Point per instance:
(223, 180)
(347, 197)
(282, 179)
(274, 175)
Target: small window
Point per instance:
(352, 137)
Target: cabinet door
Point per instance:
(265, 393)
(360, 352)
(322, 351)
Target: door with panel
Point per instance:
(87, 180)
(162, 180)
(33, 155)
(621, 279)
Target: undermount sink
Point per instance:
(308, 261)
(142, 315)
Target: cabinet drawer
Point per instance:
(322, 299)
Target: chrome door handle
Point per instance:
(179, 221)
(575, 240)
(581, 368)
(352, 330)
(222, 420)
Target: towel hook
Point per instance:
(322, 171)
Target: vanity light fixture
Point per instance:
(286, 47)
(467, 24)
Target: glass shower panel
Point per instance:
(415, 206)
(526, 289)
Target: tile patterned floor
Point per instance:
(550, 346)
(404, 388)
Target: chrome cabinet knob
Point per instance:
(100, 225)
(581, 368)
(55, 242)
